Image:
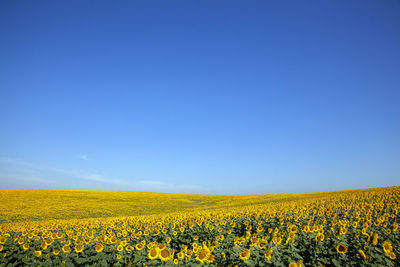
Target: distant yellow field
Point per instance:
(52, 227)
(27, 205)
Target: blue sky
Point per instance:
(216, 97)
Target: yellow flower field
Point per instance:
(102, 228)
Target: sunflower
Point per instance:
(56, 252)
(293, 264)
(362, 254)
(341, 249)
(292, 235)
(203, 255)
(25, 246)
(210, 258)
(387, 247)
(139, 246)
(165, 254)
(79, 248)
(374, 238)
(181, 255)
(343, 230)
(262, 246)
(99, 248)
(189, 253)
(319, 237)
(118, 257)
(267, 256)
(66, 249)
(120, 248)
(154, 253)
(37, 253)
(248, 235)
(129, 248)
(392, 255)
(245, 255)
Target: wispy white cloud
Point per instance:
(158, 186)
(21, 177)
(94, 177)
(19, 165)
(36, 173)
(84, 157)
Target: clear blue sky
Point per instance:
(228, 97)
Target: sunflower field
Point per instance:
(103, 228)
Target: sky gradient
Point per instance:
(216, 97)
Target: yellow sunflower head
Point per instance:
(341, 249)
(181, 255)
(139, 246)
(267, 256)
(202, 255)
(66, 249)
(362, 254)
(79, 248)
(165, 254)
(375, 239)
(245, 254)
(387, 247)
(154, 253)
(99, 248)
(129, 248)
